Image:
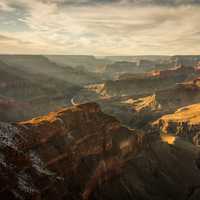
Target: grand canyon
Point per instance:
(112, 128)
(99, 100)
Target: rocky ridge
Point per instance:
(185, 122)
(62, 150)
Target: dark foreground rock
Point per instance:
(81, 153)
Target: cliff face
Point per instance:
(118, 68)
(81, 153)
(161, 172)
(55, 156)
(185, 122)
(26, 95)
(173, 72)
(146, 109)
(32, 64)
(140, 110)
(181, 95)
(149, 82)
(75, 123)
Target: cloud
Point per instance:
(104, 27)
(124, 2)
(10, 4)
(5, 38)
(5, 7)
(11, 40)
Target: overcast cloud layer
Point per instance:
(100, 27)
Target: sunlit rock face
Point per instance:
(141, 110)
(170, 139)
(185, 122)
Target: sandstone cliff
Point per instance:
(55, 156)
(81, 153)
(185, 122)
(149, 82)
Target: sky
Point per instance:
(100, 27)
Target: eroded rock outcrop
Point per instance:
(141, 110)
(149, 82)
(81, 153)
(185, 122)
(161, 172)
(57, 154)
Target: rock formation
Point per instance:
(81, 153)
(185, 122)
(63, 148)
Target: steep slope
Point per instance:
(38, 64)
(81, 153)
(149, 83)
(187, 60)
(23, 174)
(143, 109)
(133, 111)
(140, 110)
(156, 58)
(181, 95)
(122, 69)
(117, 68)
(71, 143)
(161, 171)
(24, 95)
(87, 62)
(185, 122)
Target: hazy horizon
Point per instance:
(108, 55)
